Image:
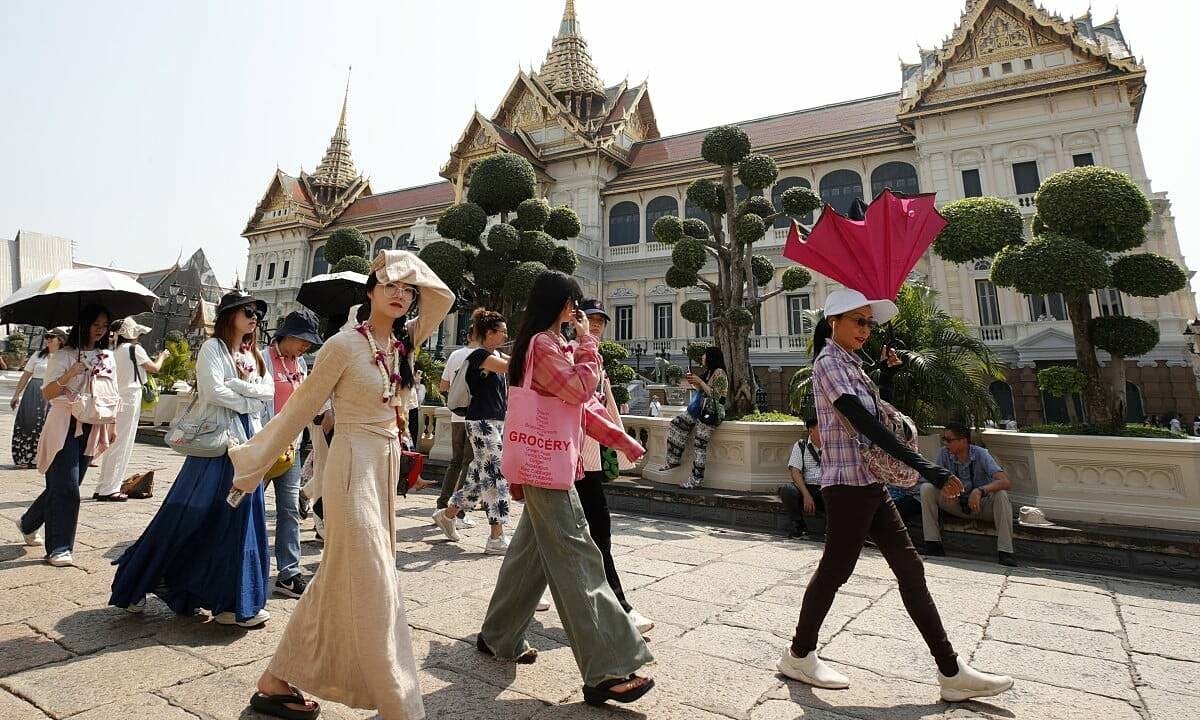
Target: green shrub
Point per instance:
(491, 269)
(621, 375)
(1061, 380)
(673, 374)
(1040, 266)
(707, 195)
(532, 214)
(178, 364)
(679, 278)
(175, 336)
(463, 222)
(535, 246)
(612, 352)
(725, 145)
(799, 201)
(503, 238)
(978, 227)
(520, 280)
(740, 316)
(695, 228)
(763, 269)
(620, 394)
(353, 263)
(1122, 335)
(749, 228)
(446, 261)
(689, 255)
(757, 205)
(343, 242)
(501, 182)
(668, 229)
(1147, 275)
(563, 223)
(564, 259)
(695, 350)
(1135, 431)
(796, 277)
(757, 171)
(769, 417)
(1098, 205)
(694, 311)
(17, 344)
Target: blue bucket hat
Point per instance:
(300, 324)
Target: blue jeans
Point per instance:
(58, 506)
(287, 520)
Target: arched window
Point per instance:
(320, 267)
(740, 192)
(840, 188)
(403, 241)
(623, 224)
(1135, 411)
(656, 208)
(899, 176)
(383, 243)
(1002, 394)
(777, 192)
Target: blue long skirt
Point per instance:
(198, 552)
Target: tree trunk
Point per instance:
(1095, 395)
(735, 350)
(1118, 401)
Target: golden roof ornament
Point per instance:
(568, 66)
(337, 167)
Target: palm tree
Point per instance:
(946, 371)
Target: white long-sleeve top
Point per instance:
(219, 384)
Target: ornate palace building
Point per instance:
(1012, 96)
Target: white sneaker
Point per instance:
(61, 559)
(446, 525)
(971, 683)
(228, 618)
(496, 545)
(811, 670)
(641, 622)
(463, 521)
(137, 608)
(33, 539)
(544, 604)
(319, 528)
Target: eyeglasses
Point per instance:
(400, 290)
(863, 322)
(252, 313)
(948, 440)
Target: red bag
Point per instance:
(411, 465)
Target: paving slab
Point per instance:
(143, 707)
(1036, 701)
(15, 708)
(1047, 636)
(1169, 675)
(22, 648)
(1091, 675)
(1089, 617)
(871, 696)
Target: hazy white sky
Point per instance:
(143, 129)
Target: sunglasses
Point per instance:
(252, 313)
(863, 322)
(948, 440)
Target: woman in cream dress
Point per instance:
(348, 640)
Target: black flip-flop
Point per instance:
(277, 706)
(528, 657)
(115, 497)
(603, 692)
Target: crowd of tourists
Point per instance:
(347, 639)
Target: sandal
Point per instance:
(603, 692)
(528, 657)
(277, 706)
(115, 497)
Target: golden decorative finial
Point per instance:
(346, 97)
(568, 67)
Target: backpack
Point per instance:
(149, 385)
(99, 401)
(458, 397)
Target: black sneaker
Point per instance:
(934, 549)
(1007, 560)
(293, 587)
(799, 531)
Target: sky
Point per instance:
(142, 130)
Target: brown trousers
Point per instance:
(853, 513)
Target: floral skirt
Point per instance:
(27, 427)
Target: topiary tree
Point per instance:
(17, 344)
(495, 266)
(614, 356)
(344, 242)
(353, 263)
(728, 241)
(1062, 381)
(1083, 215)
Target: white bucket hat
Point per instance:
(845, 300)
(130, 329)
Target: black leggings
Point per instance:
(595, 509)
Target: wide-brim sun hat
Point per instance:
(302, 325)
(130, 329)
(59, 332)
(846, 299)
(235, 299)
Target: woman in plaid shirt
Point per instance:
(857, 504)
(551, 543)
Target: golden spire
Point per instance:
(336, 169)
(568, 66)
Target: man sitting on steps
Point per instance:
(985, 493)
(802, 496)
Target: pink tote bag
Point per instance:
(542, 437)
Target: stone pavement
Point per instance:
(726, 601)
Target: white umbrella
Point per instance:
(56, 299)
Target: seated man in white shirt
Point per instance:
(802, 496)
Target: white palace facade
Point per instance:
(1014, 95)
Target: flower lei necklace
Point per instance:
(244, 361)
(388, 362)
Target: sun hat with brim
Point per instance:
(299, 324)
(235, 299)
(59, 332)
(846, 299)
(130, 329)
(591, 306)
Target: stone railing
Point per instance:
(750, 457)
(1135, 482)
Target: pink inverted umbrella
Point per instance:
(873, 255)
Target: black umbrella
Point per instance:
(56, 299)
(333, 294)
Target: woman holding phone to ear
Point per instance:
(858, 505)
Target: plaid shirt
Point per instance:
(571, 374)
(838, 372)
